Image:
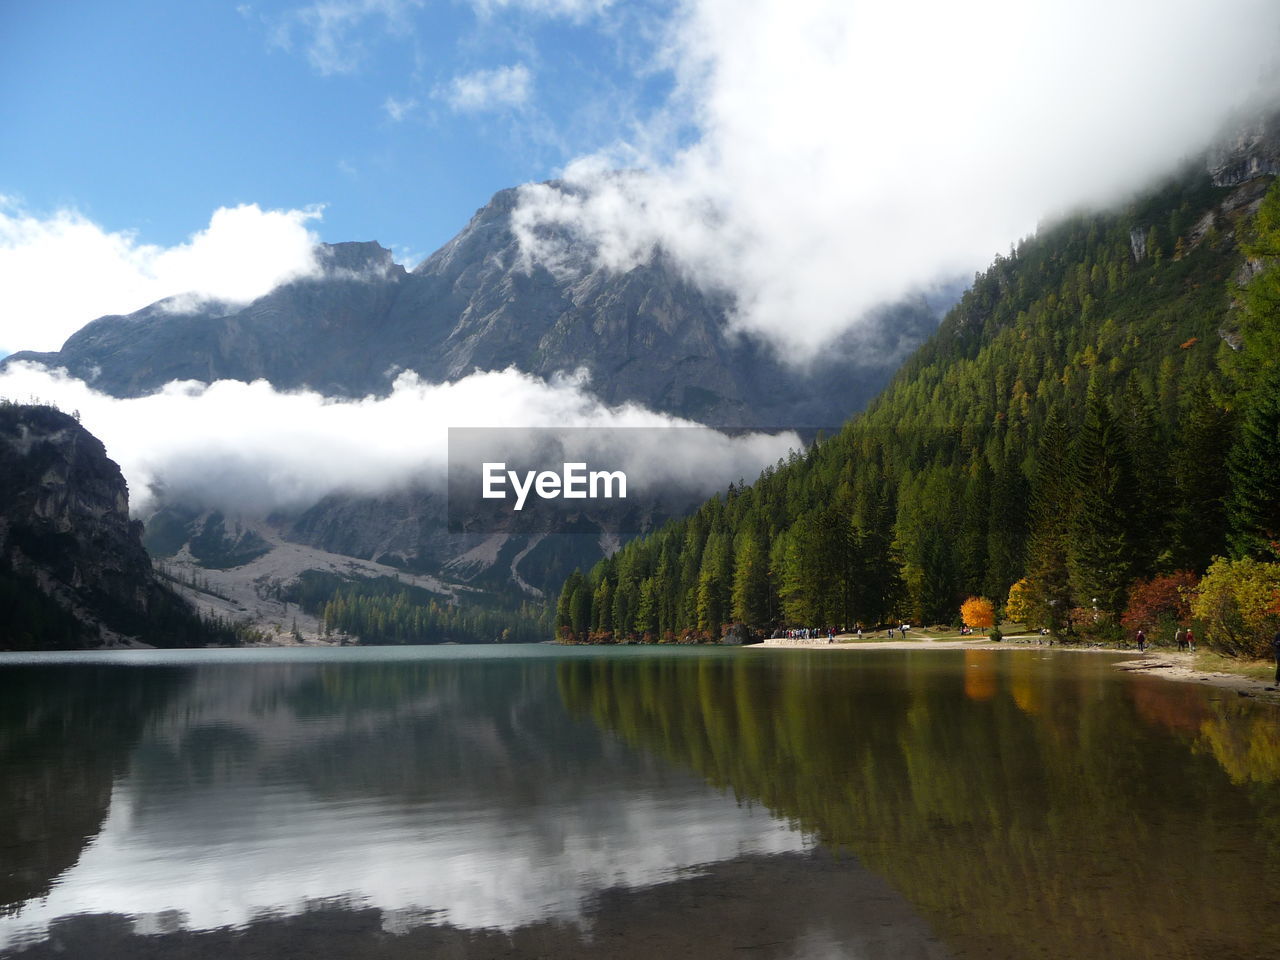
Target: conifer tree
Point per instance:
(750, 580)
(1254, 506)
(1100, 552)
(1149, 461)
(1200, 484)
(1049, 580)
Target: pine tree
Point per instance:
(1149, 460)
(1053, 502)
(1254, 506)
(750, 580)
(1200, 484)
(1100, 552)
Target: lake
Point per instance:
(538, 801)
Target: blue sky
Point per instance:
(147, 115)
(811, 159)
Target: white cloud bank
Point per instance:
(247, 447)
(489, 89)
(59, 272)
(848, 151)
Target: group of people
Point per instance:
(829, 633)
(1186, 641)
(811, 633)
(1185, 638)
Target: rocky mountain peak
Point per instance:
(368, 259)
(1253, 150)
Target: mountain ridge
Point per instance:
(648, 335)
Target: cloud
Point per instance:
(59, 272)
(333, 30)
(247, 447)
(846, 152)
(397, 110)
(489, 89)
(573, 9)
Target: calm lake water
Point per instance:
(635, 802)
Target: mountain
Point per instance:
(1097, 411)
(648, 335)
(73, 571)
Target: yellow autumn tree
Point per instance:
(1018, 607)
(978, 613)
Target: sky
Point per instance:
(811, 158)
(400, 117)
(814, 158)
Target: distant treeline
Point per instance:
(1101, 407)
(31, 619)
(384, 610)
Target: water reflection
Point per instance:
(447, 791)
(1028, 804)
(627, 803)
(56, 765)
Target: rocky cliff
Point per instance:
(73, 572)
(1253, 150)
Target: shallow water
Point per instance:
(635, 802)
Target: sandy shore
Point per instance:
(1161, 663)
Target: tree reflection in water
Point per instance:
(1028, 804)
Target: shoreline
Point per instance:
(1178, 667)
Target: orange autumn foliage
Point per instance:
(978, 613)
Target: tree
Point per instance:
(1148, 453)
(1100, 551)
(1239, 604)
(1053, 495)
(565, 605)
(751, 580)
(714, 583)
(1018, 607)
(978, 613)
(1254, 505)
(1162, 603)
(1201, 485)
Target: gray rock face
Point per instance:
(65, 533)
(648, 335)
(1253, 151)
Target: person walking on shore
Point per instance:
(1142, 641)
(1191, 641)
(1275, 648)
(1180, 639)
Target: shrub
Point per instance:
(1160, 605)
(1238, 602)
(1096, 626)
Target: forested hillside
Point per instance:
(1100, 409)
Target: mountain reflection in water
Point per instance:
(630, 803)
